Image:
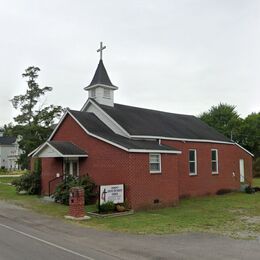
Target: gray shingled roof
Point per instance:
(90, 122)
(67, 148)
(7, 140)
(100, 76)
(146, 122)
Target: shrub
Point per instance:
(62, 190)
(107, 207)
(30, 182)
(249, 190)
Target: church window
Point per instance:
(192, 162)
(106, 93)
(93, 93)
(155, 163)
(214, 161)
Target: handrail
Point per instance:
(49, 183)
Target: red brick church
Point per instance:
(160, 157)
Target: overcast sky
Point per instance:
(181, 56)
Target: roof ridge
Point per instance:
(148, 109)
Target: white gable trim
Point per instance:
(153, 151)
(43, 146)
(244, 149)
(40, 148)
(109, 121)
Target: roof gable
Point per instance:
(59, 149)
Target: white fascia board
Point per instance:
(43, 146)
(244, 149)
(179, 139)
(153, 151)
(100, 85)
(58, 125)
(106, 115)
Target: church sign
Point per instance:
(114, 193)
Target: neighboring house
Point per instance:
(160, 157)
(9, 152)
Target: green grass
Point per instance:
(219, 214)
(256, 182)
(17, 172)
(7, 179)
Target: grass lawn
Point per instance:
(236, 214)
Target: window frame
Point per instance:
(216, 161)
(159, 162)
(93, 93)
(108, 92)
(195, 162)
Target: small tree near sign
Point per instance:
(114, 193)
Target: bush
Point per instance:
(30, 182)
(107, 207)
(249, 190)
(256, 167)
(62, 190)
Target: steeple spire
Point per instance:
(101, 88)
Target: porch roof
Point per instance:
(59, 149)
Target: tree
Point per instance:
(250, 133)
(35, 121)
(225, 119)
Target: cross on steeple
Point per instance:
(101, 49)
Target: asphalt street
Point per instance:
(27, 235)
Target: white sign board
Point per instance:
(113, 193)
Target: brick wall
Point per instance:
(50, 166)
(205, 182)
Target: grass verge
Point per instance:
(236, 214)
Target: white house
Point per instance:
(9, 152)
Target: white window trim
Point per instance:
(216, 172)
(195, 160)
(160, 163)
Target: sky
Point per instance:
(180, 56)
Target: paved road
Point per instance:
(27, 235)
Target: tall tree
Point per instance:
(35, 121)
(225, 119)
